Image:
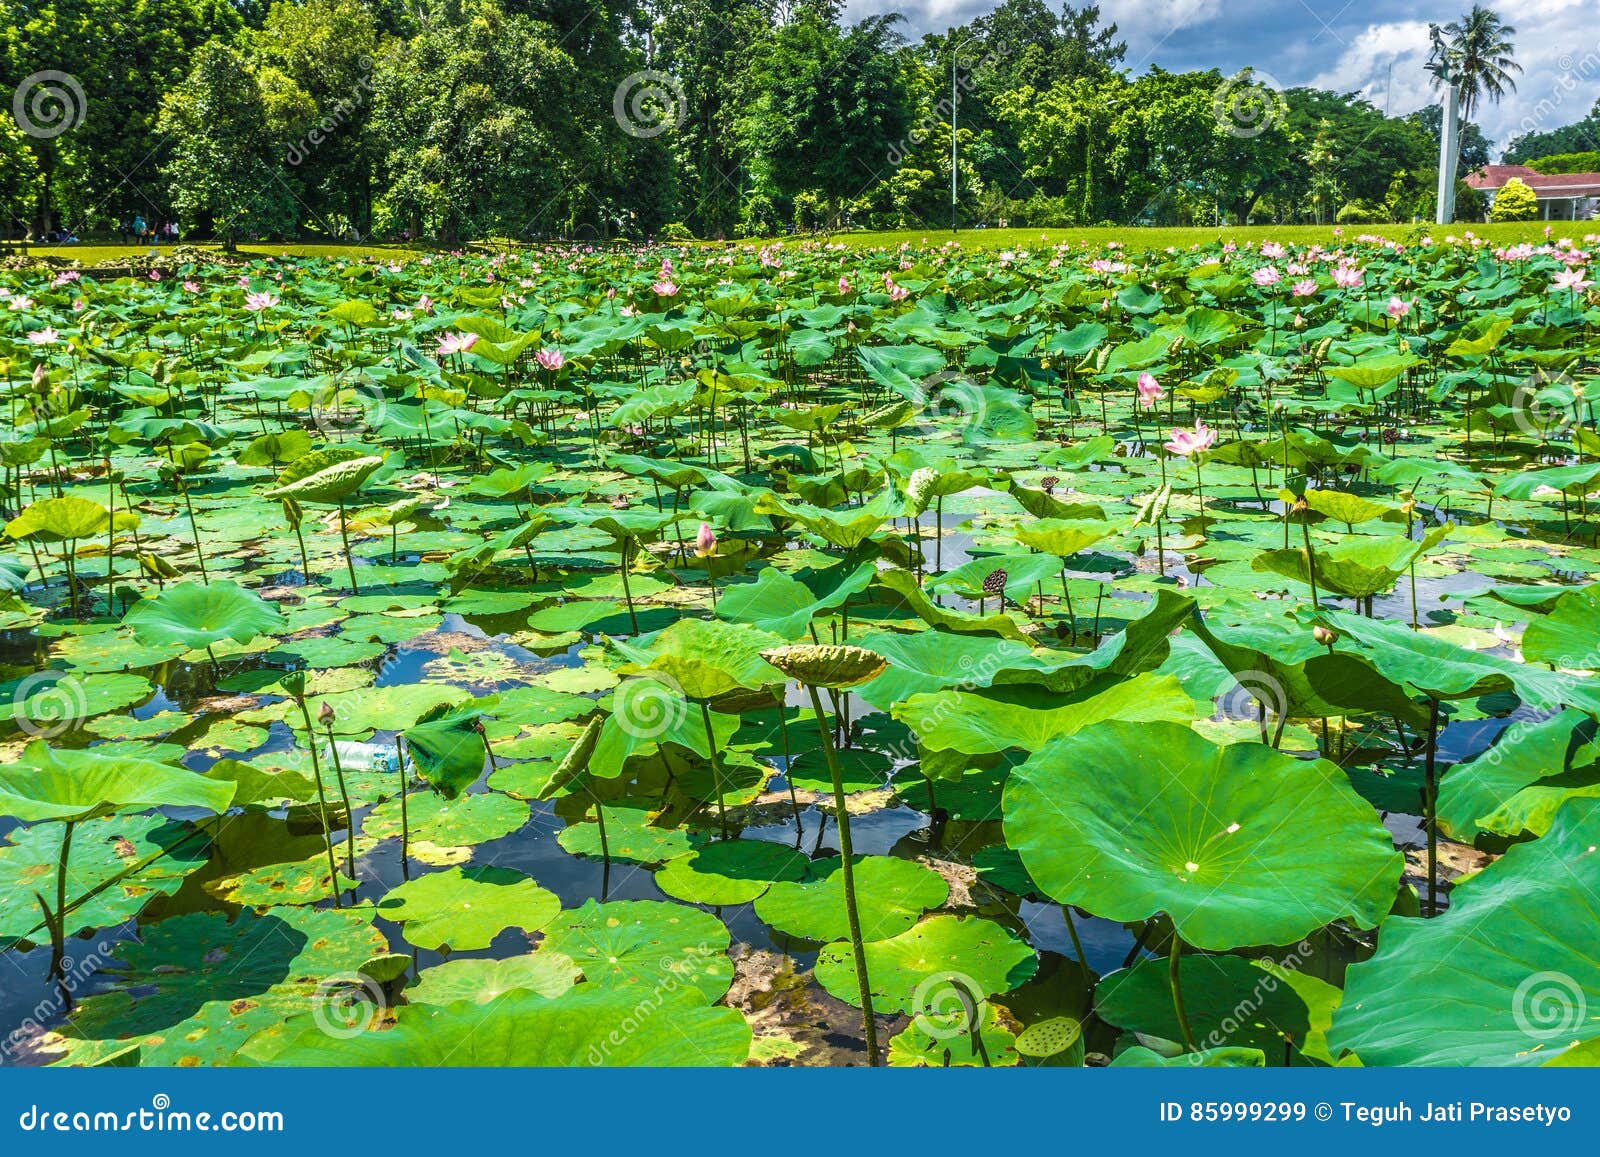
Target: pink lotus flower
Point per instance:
(424, 304)
(1398, 308)
(45, 336)
(155, 275)
(191, 287)
(457, 343)
(897, 292)
(1346, 276)
(244, 282)
(551, 359)
(258, 302)
(665, 288)
(705, 541)
(1188, 442)
(1571, 279)
(1150, 391)
(1265, 276)
(844, 285)
(1272, 250)
(1305, 287)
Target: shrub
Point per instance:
(675, 231)
(1360, 212)
(1514, 202)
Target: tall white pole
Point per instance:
(1449, 129)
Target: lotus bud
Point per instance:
(705, 541)
(827, 666)
(1577, 391)
(325, 715)
(1299, 506)
(1324, 635)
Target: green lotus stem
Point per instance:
(1311, 563)
(716, 768)
(1072, 931)
(1430, 804)
(344, 534)
(1177, 993)
(322, 801)
(349, 813)
(199, 554)
(788, 773)
(111, 538)
(58, 924)
(405, 820)
(846, 853)
(627, 592)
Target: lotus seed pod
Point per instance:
(827, 666)
(919, 487)
(994, 583)
(1324, 635)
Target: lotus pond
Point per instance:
(800, 655)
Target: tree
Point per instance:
(1476, 149)
(19, 179)
(1480, 58)
(1580, 136)
(1514, 202)
(229, 133)
(834, 105)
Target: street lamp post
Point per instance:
(955, 48)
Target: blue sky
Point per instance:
(1378, 49)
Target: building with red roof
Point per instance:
(1561, 196)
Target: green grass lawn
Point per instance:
(1136, 238)
(1133, 237)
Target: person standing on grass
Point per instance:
(138, 228)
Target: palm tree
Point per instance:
(1472, 56)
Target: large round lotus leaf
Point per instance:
(706, 658)
(329, 475)
(392, 708)
(466, 908)
(103, 850)
(197, 616)
(277, 958)
(1238, 844)
(480, 981)
(590, 1026)
(66, 519)
(919, 970)
(642, 946)
(58, 784)
(891, 896)
(306, 881)
(49, 702)
(630, 836)
(463, 822)
(1569, 636)
(1231, 1001)
(860, 768)
(1508, 976)
(730, 872)
(211, 1036)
